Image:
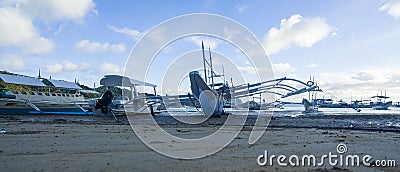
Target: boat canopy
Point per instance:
(117, 80)
(21, 80)
(380, 97)
(61, 84)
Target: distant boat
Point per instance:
(380, 103)
(328, 103)
(66, 101)
(356, 104)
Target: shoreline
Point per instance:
(389, 123)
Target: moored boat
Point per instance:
(381, 103)
(65, 100)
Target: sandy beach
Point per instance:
(88, 143)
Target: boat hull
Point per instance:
(382, 106)
(17, 107)
(210, 101)
(28, 110)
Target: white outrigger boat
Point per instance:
(213, 97)
(67, 101)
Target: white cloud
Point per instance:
(70, 66)
(230, 33)
(16, 22)
(109, 68)
(392, 8)
(303, 32)
(134, 34)
(50, 10)
(61, 27)
(363, 76)
(84, 66)
(10, 61)
(311, 65)
(93, 47)
(251, 70)
(247, 69)
(242, 7)
(283, 67)
(17, 30)
(395, 77)
(66, 67)
(208, 42)
(360, 83)
(40, 46)
(54, 69)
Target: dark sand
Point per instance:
(88, 143)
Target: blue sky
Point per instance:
(350, 47)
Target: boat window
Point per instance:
(23, 92)
(16, 92)
(47, 94)
(40, 94)
(58, 94)
(63, 95)
(32, 93)
(68, 95)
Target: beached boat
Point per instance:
(309, 107)
(133, 102)
(213, 97)
(67, 100)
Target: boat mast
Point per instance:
(223, 74)
(309, 93)
(204, 62)
(212, 72)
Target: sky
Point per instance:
(351, 48)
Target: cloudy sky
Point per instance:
(352, 48)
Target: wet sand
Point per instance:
(88, 143)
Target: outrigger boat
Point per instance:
(67, 100)
(380, 103)
(133, 103)
(213, 97)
